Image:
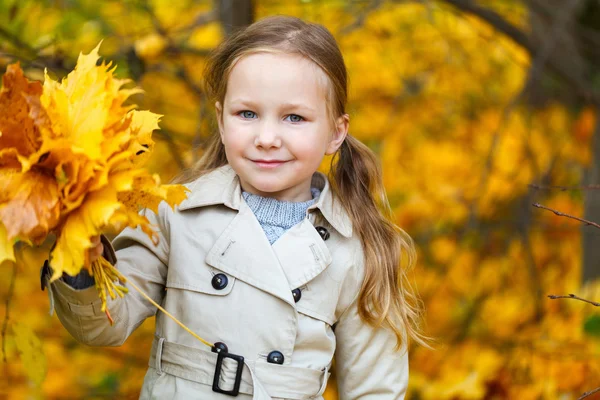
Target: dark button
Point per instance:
(323, 232)
(297, 293)
(219, 347)
(219, 281)
(275, 357)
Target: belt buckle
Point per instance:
(221, 355)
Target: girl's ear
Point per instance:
(219, 110)
(339, 134)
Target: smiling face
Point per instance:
(275, 125)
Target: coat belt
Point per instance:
(260, 379)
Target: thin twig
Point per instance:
(560, 214)
(11, 291)
(16, 41)
(591, 392)
(146, 6)
(564, 188)
(201, 20)
(572, 296)
(532, 270)
(362, 17)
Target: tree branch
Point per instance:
(496, 20)
(361, 18)
(572, 296)
(587, 394)
(564, 188)
(537, 66)
(16, 42)
(560, 214)
(522, 39)
(202, 19)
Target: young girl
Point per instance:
(279, 267)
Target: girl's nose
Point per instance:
(267, 137)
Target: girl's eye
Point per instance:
(248, 114)
(295, 118)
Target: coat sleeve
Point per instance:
(142, 263)
(366, 363)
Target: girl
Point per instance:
(278, 266)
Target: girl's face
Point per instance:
(275, 126)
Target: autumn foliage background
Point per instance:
(472, 127)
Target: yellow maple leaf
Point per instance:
(31, 351)
(85, 104)
(7, 253)
(148, 194)
(80, 171)
(88, 220)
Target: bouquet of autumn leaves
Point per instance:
(71, 157)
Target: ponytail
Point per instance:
(386, 297)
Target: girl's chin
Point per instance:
(260, 187)
(264, 189)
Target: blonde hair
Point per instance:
(386, 297)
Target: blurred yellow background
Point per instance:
(476, 110)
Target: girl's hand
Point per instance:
(96, 250)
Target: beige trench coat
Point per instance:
(255, 313)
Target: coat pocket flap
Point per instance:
(314, 314)
(204, 285)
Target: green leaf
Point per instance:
(591, 326)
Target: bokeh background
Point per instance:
(477, 110)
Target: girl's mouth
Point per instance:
(269, 163)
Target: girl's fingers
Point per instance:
(97, 248)
(95, 240)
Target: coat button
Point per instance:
(297, 293)
(219, 347)
(323, 232)
(219, 281)
(275, 357)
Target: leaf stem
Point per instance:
(11, 291)
(155, 304)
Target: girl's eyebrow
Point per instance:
(284, 106)
(242, 102)
(287, 106)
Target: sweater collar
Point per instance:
(222, 186)
(273, 212)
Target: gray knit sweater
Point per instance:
(274, 216)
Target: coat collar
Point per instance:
(222, 186)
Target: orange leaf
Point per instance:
(17, 129)
(29, 205)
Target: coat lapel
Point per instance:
(222, 186)
(302, 254)
(244, 252)
(243, 249)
